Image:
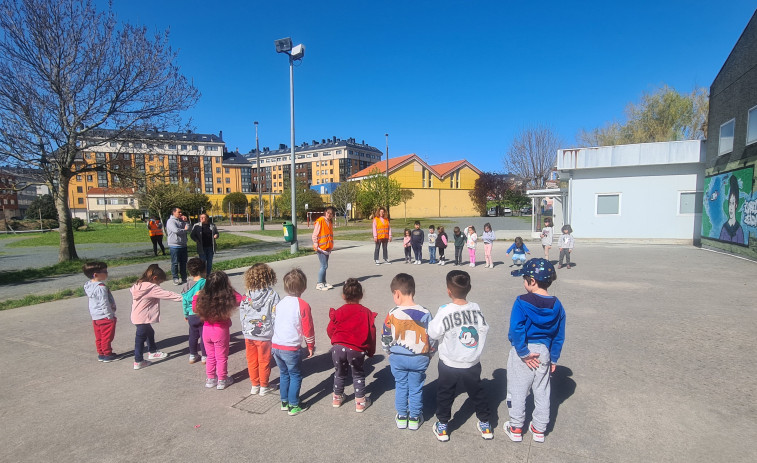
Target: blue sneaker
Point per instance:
(440, 431)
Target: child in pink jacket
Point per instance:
(145, 309)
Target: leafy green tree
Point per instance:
(134, 214)
(194, 203)
(405, 196)
(345, 194)
(661, 115)
(238, 202)
(305, 195)
(160, 198)
(44, 204)
(375, 192)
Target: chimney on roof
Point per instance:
(315, 142)
(220, 134)
(364, 142)
(282, 146)
(323, 140)
(334, 138)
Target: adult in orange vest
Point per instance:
(323, 243)
(155, 228)
(382, 234)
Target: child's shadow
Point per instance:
(562, 386)
(383, 380)
(494, 392)
(318, 364)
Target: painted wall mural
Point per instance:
(730, 207)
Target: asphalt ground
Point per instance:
(655, 367)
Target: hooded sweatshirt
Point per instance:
(146, 305)
(539, 320)
(353, 326)
(257, 312)
(188, 294)
(101, 302)
(462, 332)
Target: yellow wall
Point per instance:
(436, 203)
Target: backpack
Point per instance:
(439, 243)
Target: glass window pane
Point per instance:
(608, 204)
(726, 137)
(751, 131)
(688, 203)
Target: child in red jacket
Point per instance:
(353, 336)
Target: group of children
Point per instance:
(437, 241)
(275, 327)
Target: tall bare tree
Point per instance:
(67, 71)
(532, 154)
(344, 196)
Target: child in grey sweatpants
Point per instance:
(537, 333)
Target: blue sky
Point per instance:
(446, 79)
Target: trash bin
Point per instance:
(288, 232)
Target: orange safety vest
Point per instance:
(382, 228)
(154, 228)
(325, 235)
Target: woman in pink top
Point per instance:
(145, 309)
(214, 304)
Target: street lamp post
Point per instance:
(260, 192)
(295, 53)
(387, 175)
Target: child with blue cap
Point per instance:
(537, 332)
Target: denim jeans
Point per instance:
(179, 263)
(409, 375)
(432, 254)
(207, 257)
(290, 377)
(324, 260)
(144, 333)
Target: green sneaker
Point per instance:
(414, 422)
(295, 410)
(284, 406)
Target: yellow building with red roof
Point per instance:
(439, 190)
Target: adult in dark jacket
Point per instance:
(205, 235)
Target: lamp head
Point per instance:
(298, 52)
(283, 45)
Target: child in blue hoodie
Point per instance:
(537, 332)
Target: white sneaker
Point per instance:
(142, 364)
(319, 287)
(211, 383)
(387, 262)
(224, 383)
(264, 390)
(327, 286)
(255, 390)
(156, 355)
(417, 262)
(442, 262)
(472, 264)
(378, 263)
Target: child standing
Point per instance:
(214, 304)
(257, 313)
(293, 324)
(431, 244)
(537, 333)
(416, 239)
(519, 250)
(406, 244)
(196, 268)
(471, 238)
(546, 236)
(488, 238)
(566, 244)
(352, 331)
(441, 244)
(461, 328)
(459, 244)
(102, 308)
(405, 340)
(145, 310)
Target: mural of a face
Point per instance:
(732, 203)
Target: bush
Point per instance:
(76, 222)
(117, 221)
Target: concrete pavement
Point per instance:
(656, 367)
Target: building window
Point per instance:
(608, 204)
(228, 180)
(80, 200)
(218, 190)
(194, 147)
(751, 126)
(185, 158)
(212, 148)
(218, 170)
(218, 179)
(226, 169)
(89, 178)
(725, 145)
(172, 147)
(687, 202)
(79, 189)
(228, 190)
(113, 144)
(184, 147)
(78, 178)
